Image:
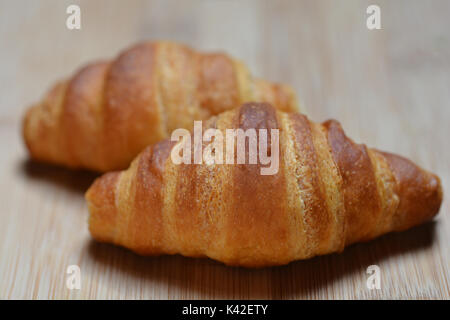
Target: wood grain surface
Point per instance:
(390, 88)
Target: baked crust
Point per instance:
(329, 192)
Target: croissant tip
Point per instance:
(436, 186)
(101, 199)
(420, 192)
(26, 129)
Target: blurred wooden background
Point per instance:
(390, 88)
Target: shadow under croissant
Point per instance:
(77, 181)
(209, 279)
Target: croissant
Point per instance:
(108, 112)
(329, 192)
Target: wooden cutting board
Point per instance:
(390, 88)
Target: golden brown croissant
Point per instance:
(108, 112)
(328, 193)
